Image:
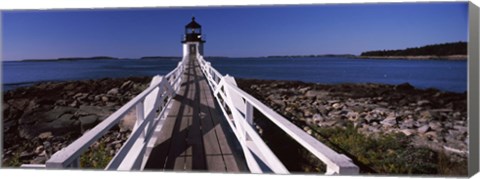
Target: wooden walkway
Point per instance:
(195, 135)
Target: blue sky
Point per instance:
(232, 31)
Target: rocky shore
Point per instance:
(427, 118)
(41, 119)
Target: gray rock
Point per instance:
(25, 155)
(126, 85)
(39, 149)
(423, 129)
(327, 123)
(39, 160)
(317, 118)
(315, 93)
(408, 132)
(45, 135)
(461, 129)
(423, 102)
(435, 125)
(304, 90)
(352, 116)
(104, 98)
(88, 122)
(432, 135)
(113, 92)
(389, 121)
(337, 105)
(408, 123)
(102, 112)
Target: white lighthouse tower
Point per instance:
(192, 40)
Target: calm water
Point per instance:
(442, 74)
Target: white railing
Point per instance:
(237, 106)
(151, 106)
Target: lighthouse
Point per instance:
(192, 40)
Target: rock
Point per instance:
(432, 135)
(88, 122)
(102, 112)
(126, 85)
(104, 98)
(73, 104)
(45, 135)
(408, 132)
(337, 106)
(327, 123)
(26, 155)
(315, 93)
(423, 102)
(408, 123)
(39, 160)
(113, 92)
(381, 111)
(389, 121)
(461, 129)
(404, 87)
(352, 116)
(39, 149)
(317, 118)
(423, 129)
(304, 90)
(435, 125)
(426, 116)
(80, 96)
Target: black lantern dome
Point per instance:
(193, 32)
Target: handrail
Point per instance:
(240, 105)
(130, 156)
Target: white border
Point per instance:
(89, 4)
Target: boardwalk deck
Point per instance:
(194, 136)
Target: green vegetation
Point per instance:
(456, 48)
(95, 158)
(13, 161)
(387, 153)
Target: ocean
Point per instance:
(445, 75)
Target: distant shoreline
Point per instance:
(418, 57)
(412, 57)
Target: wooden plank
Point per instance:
(193, 137)
(231, 163)
(195, 152)
(178, 149)
(216, 163)
(159, 154)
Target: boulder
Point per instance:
(408, 132)
(423, 129)
(45, 135)
(389, 121)
(87, 122)
(435, 125)
(113, 92)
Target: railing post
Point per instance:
(140, 115)
(75, 163)
(248, 116)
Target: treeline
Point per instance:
(445, 49)
(311, 56)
